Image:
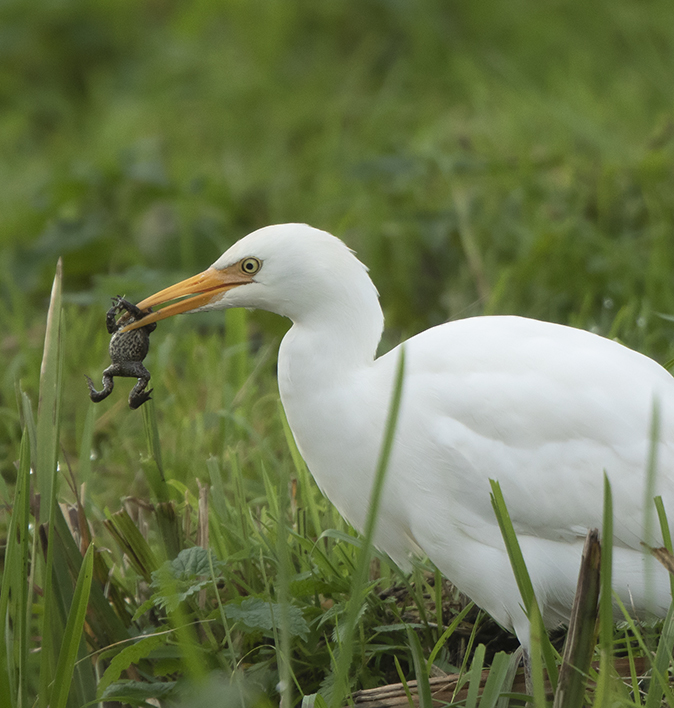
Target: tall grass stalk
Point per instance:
(663, 655)
(475, 677)
(659, 684)
(48, 420)
(49, 405)
(283, 651)
(603, 692)
(343, 664)
(421, 670)
(666, 533)
(473, 175)
(154, 468)
(14, 623)
(524, 583)
(72, 635)
(649, 534)
(236, 322)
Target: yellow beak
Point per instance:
(195, 292)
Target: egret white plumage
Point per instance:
(542, 408)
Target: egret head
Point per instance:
(287, 269)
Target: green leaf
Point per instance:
(137, 549)
(420, 670)
(182, 577)
(308, 585)
(86, 444)
(359, 582)
(47, 434)
(131, 654)
(15, 583)
(663, 654)
(257, 615)
(403, 681)
(603, 690)
(138, 692)
(495, 683)
(142, 609)
(399, 627)
(48, 415)
(537, 635)
(475, 677)
(315, 700)
(523, 579)
(666, 534)
(663, 657)
(173, 592)
(192, 562)
(448, 633)
(154, 468)
(512, 546)
(72, 635)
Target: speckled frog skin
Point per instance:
(127, 351)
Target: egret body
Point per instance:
(542, 408)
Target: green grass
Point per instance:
(501, 157)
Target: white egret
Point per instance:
(543, 408)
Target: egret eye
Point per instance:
(250, 266)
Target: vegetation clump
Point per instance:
(481, 158)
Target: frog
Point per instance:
(127, 352)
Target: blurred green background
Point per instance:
(494, 156)
(481, 157)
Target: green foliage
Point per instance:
(136, 693)
(132, 654)
(73, 632)
(481, 158)
(540, 643)
(255, 614)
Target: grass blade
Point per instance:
(663, 657)
(420, 670)
(524, 584)
(603, 690)
(131, 540)
(13, 678)
(302, 474)
(283, 591)
(236, 324)
(129, 655)
(523, 579)
(448, 633)
(50, 399)
(47, 433)
(72, 636)
(475, 677)
(495, 683)
(508, 679)
(537, 635)
(154, 469)
(668, 631)
(666, 534)
(403, 681)
(360, 574)
(86, 444)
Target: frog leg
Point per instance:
(138, 394)
(108, 385)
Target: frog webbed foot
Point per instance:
(139, 395)
(98, 396)
(121, 303)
